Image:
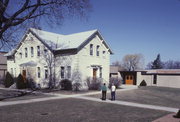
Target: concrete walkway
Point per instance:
(82, 96)
(169, 109)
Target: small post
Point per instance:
(177, 115)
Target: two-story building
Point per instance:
(42, 54)
(3, 65)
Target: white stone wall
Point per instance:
(148, 79)
(168, 81)
(162, 80)
(86, 61)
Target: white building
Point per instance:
(42, 53)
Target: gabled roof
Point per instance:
(58, 42)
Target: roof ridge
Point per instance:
(34, 29)
(82, 32)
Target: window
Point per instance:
(26, 52)
(11, 71)
(155, 79)
(39, 72)
(104, 53)
(20, 55)
(38, 50)
(69, 71)
(100, 72)
(62, 72)
(127, 77)
(46, 73)
(45, 51)
(91, 49)
(32, 51)
(131, 77)
(97, 50)
(15, 72)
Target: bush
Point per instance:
(20, 83)
(94, 84)
(8, 80)
(143, 83)
(66, 84)
(115, 81)
(76, 86)
(31, 84)
(77, 81)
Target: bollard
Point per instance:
(177, 115)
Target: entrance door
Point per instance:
(24, 74)
(129, 79)
(94, 73)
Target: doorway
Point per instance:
(129, 79)
(24, 74)
(94, 73)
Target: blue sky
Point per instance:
(148, 27)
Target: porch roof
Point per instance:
(30, 63)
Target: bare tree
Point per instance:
(118, 64)
(77, 80)
(22, 14)
(51, 61)
(133, 62)
(172, 64)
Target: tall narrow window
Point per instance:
(155, 79)
(32, 51)
(69, 71)
(45, 51)
(91, 49)
(26, 52)
(20, 55)
(100, 72)
(11, 71)
(38, 50)
(62, 72)
(15, 72)
(97, 50)
(39, 72)
(104, 54)
(46, 73)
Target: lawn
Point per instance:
(76, 110)
(162, 96)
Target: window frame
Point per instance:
(62, 72)
(68, 71)
(100, 72)
(97, 50)
(26, 52)
(32, 51)
(91, 49)
(38, 51)
(46, 73)
(39, 72)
